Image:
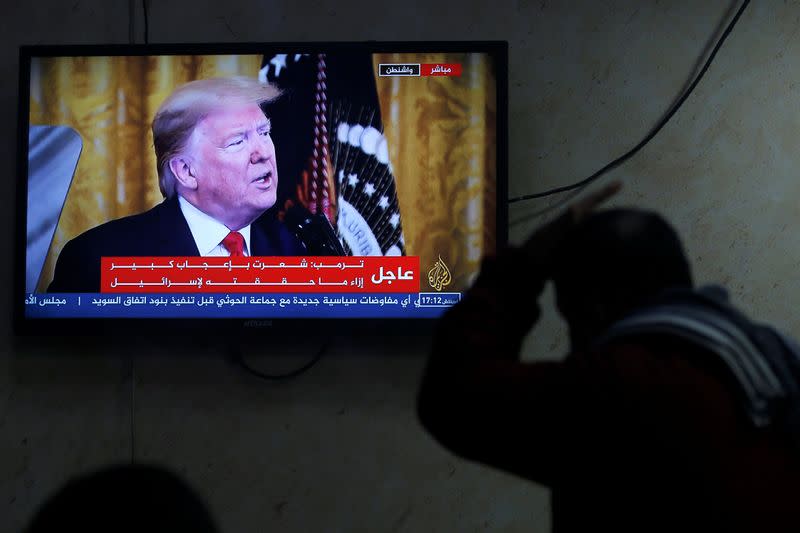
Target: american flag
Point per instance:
(331, 152)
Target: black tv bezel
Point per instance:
(148, 326)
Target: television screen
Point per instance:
(273, 181)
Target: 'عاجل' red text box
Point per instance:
(259, 274)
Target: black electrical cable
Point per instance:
(131, 19)
(146, 28)
(239, 359)
(652, 133)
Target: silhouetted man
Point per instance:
(124, 499)
(672, 411)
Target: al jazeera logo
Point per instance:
(439, 276)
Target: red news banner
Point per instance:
(440, 69)
(259, 274)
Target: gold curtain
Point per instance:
(441, 137)
(110, 102)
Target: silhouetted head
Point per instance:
(613, 262)
(124, 499)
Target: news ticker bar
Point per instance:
(147, 275)
(274, 305)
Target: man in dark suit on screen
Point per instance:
(217, 171)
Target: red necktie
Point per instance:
(234, 243)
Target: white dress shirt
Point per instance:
(208, 232)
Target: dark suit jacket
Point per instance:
(161, 231)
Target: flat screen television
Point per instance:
(256, 185)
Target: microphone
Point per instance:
(313, 230)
